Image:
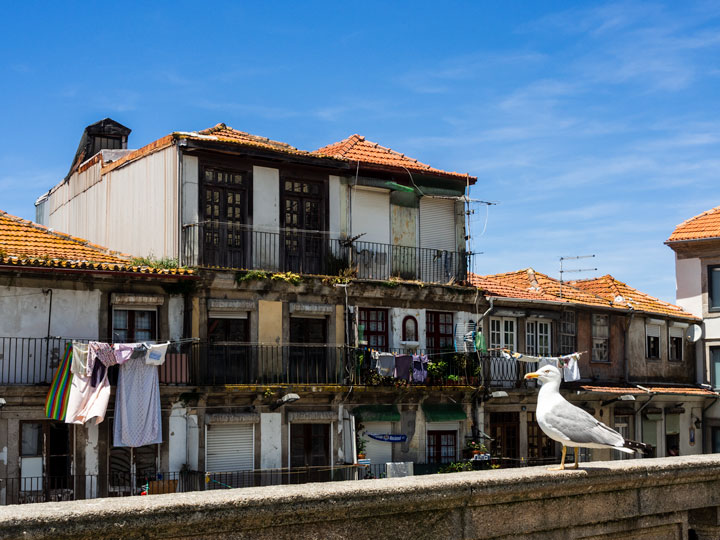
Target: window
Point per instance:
(675, 344)
(45, 458)
(600, 338)
(672, 434)
(541, 448)
(567, 333)
(537, 338)
(410, 329)
(505, 431)
(652, 341)
(133, 325)
(232, 330)
(622, 426)
(714, 288)
(502, 333)
(442, 446)
(439, 331)
(715, 366)
(374, 323)
(310, 449)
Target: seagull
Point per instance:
(570, 425)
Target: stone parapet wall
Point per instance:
(652, 498)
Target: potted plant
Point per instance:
(360, 444)
(477, 448)
(436, 371)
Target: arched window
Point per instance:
(409, 329)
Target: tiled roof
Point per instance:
(357, 148)
(683, 390)
(605, 291)
(24, 243)
(532, 285)
(622, 295)
(705, 225)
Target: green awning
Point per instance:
(377, 413)
(443, 412)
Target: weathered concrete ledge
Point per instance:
(652, 498)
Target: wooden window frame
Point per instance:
(364, 319)
(652, 343)
(600, 339)
(131, 337)
(436, 331)
(568, 332)
(434, 440)
(673, 341)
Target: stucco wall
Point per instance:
(688, 291)
(25, 312)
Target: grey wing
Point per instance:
(581, 427)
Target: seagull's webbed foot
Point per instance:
(562, 461)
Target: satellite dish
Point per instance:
(693, 333)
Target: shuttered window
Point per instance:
(230, 447)
(437, 224)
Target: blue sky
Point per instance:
(594, 126)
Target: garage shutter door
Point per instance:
(437, 224)
(229, 447)
(371, 215)
(378, 451)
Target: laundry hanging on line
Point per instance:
(568, 363)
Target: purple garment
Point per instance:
(419, 366)
(125, 351)
(99, 351)
(98, 374)
(403, 366)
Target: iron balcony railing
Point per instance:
(226, 245)
(34, 361)
(36, 489)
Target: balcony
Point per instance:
(34, 361)
(223, 245)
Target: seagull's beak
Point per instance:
(532, 375)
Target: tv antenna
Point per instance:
(564, 271)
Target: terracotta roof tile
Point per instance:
(684, 390)
(605, 291)
(24, 243)
(357, 148)
(705, 225)
(622, 295)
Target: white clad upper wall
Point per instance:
(131, 209)
(190, 179)
(142, 217)
(25, 313)
(437, 224)
(266, 198)
(371, 214)
(77, 207)
(688, 277)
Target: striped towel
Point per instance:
(57, 398)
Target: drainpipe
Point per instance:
(47, 339)
(702, 420)
(627, 331)
(476, 431)
(638, 418)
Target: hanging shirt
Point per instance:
(403, 366)
(385, 364)
(102, 352)
(155, 355)
(124, 351)
(79, 358)
(419, 368)
(87, 401)
(138, 418)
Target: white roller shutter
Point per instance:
(437, 224)
(230, 447)
(371, 215)
(378, 451)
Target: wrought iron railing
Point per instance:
(226, 245)
(36, 489)
(34, 361)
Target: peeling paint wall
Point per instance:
(177, 437)
(176, 314)
(25, 312)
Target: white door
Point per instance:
(378, 452)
